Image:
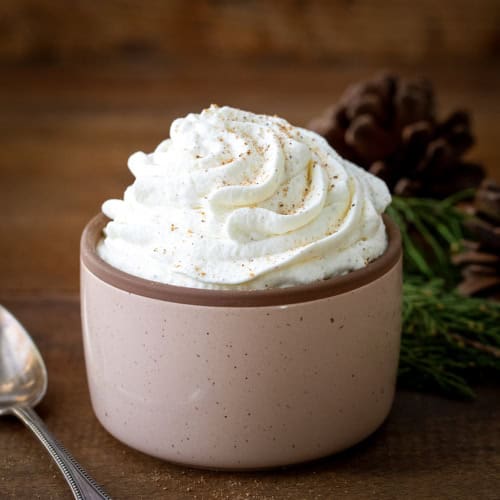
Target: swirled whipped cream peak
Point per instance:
(236, 200)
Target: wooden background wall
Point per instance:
(401, 31)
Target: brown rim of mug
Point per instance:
(235, 298)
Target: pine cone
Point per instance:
(388, 126)
(480, 261)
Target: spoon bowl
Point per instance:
(23, 383)
(23, 376)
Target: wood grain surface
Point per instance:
(65, 136)
(429, 447)
(456, 31)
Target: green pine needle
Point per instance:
(449, 341)
(431, 230)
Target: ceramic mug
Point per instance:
(241, 379)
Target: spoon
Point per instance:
(23, 383)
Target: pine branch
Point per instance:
(448, 341)
(431, 230)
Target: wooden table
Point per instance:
(65, 136)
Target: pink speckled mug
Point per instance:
(244, 379)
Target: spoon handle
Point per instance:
(81, 484)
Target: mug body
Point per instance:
(238, 383)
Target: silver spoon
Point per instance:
(23, 383)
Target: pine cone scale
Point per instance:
(480, 261)
(391, 121)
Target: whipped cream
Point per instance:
(235, 200)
